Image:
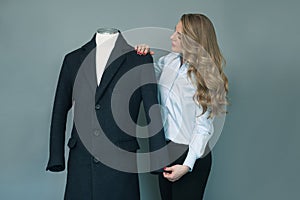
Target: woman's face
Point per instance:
(176, 38)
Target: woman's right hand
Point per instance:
(143, 49)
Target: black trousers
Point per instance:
(192, 185)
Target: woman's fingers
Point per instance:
(143, 49)
(139, 48)
(175, 172)
(146, 49)
(168, 173)
(169, 169)
(171, 177)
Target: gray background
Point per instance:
(257, 156)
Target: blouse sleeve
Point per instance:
(202, 132)
(158, 66)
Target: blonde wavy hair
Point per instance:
(201, 51)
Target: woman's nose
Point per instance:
(172, 36)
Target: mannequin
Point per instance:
(105, 42)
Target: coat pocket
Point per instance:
(72, 142)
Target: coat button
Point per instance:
(97, 132)
(97, 107)
(95, 160)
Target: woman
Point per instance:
(193, 89)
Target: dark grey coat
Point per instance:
(87, 177)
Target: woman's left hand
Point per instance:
(175, 172)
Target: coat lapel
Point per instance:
(88, 63)
(117, 57)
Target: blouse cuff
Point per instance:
(190, 160)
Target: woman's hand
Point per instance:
(143, 49)
(175, 172)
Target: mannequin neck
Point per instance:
(105, 34)
(107, 30)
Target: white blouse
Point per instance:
(183, 122)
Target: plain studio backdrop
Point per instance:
(257, 156)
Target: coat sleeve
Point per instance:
(61, 106)
(153, 116)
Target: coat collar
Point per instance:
(115, 60)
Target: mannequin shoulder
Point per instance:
(140, 58)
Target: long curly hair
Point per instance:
(201, 51)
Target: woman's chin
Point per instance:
(175, 50)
